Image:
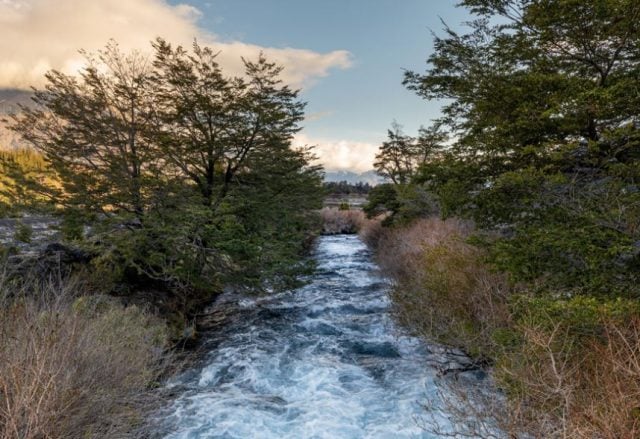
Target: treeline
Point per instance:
(341, 188)
(515, 234)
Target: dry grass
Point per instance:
(74, 367)
(559, 379)
(335, 221)
(444, 290)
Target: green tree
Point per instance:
(187, 176)
(93, 132)
(396, 159)
(542, 101)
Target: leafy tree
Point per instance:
(187, 177)
(211, 124)
(395, 161)
(542, 101)
(93, 132)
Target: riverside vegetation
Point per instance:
(171, 181)
(512, 227)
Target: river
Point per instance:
(324, 361)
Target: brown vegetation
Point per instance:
(561, 387)
(568, 369)
(444, 291)
(73, 367)
(336, 221)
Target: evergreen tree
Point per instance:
(543, 104)
(188, 177)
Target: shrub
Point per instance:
(336, 221)
(23, 233)
(372, 231)
(576, 368)
(74, 368)
(444, 290)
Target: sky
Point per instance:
(347, 56)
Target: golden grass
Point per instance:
(74, 368)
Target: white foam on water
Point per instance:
(326, 361)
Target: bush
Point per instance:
(371, 231)
(74, 368)
(336, 221)
(575, 370)
(444, 291)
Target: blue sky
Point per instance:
(354, 105)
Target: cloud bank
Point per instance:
(38, 35)
(341, 155)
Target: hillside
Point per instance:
(9, 101)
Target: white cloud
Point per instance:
(337, 155)
(38, 35)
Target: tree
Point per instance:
(178, 167)
(542, 101)
(395, 161)
(93, 130)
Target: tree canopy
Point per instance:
(542, 106)
(186, 176)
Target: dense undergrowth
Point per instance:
(569, 366)
(76, 365)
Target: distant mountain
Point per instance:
(9, 101)
(352, 177)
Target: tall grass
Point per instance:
(569, 368)
(72, 366)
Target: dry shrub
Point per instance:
(562, 390)
(444, 290)
(371, 232)
(74, 368)
(337, 221)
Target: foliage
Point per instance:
(400, 203)
(541, 104)
(185, 178)
(401, 155)
(547, 142)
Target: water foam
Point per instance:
(325, 361)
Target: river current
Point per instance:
(324, 361)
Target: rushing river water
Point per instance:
(324, 361)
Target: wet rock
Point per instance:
(448, 360)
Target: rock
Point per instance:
(448, 360)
